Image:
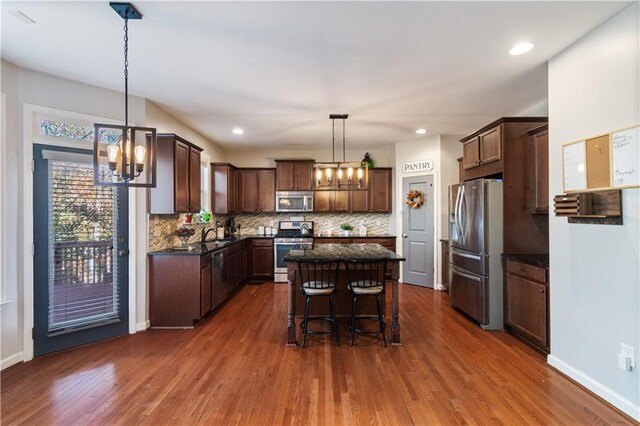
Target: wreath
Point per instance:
(415, 199)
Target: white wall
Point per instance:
(450, 151)
(595, 269)
(164, 122)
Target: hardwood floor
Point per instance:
(234, 369)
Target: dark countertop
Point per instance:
(531, 259)
(343, 252)
(208, 247)
(356, 236)
(444, 240)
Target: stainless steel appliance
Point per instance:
(291, 236)
(219, 283)
(475, 239)
(294, 201)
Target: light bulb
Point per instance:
(350, 171)
(339, 174)
(128, 151)
(328, 172)
(359, 173)
(113, 151)
(139, 153)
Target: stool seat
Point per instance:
(366, 290)
(317, 291)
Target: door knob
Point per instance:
(123, 252)
(404, 235)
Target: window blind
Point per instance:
(83, 275)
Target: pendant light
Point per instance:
(340, 175)
(124, 155)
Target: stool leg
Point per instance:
(305, 321)
(334, 321)
(380, 321)
(353, 319)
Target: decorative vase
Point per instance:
(346, 233)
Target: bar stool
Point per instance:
(318, 279)
(366, 278)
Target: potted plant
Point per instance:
(346, 229)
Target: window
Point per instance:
(205, 183)
(73, 131)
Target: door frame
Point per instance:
(437, 277)
(30, 113)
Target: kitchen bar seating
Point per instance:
(318, 278)
(366, 278)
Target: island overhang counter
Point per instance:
(342, 253)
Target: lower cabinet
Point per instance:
(444, 262)
(205, 285)
(261, 258)
(527, 302)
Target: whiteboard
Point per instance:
(574, 158)
(625, 161)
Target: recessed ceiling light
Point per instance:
(237, 131)
(22, 17)
(521, 48)
(421, 131)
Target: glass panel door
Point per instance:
(81, 254)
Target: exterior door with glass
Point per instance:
(80, 252)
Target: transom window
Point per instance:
(78, 132)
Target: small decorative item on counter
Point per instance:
(184, 234)
(346, 229)
(188, 218)
(415, 199)
(362, 230)
(367, 161)
(205, 217)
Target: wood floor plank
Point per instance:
(234, 368)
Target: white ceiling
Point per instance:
(278, 69)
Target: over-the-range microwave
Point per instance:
(294, 201)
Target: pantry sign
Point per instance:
(418, 166)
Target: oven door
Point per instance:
(281, 249)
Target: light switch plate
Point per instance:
(628, 351)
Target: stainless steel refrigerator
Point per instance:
(475, 249)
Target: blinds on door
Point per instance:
(83, 290)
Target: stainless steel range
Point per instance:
(292, 235)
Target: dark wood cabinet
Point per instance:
(331, 202)
(180, 291)
(539, 145)
(491, 145)
(262, 258)
(527, 302)
(359, 201)
(178, 177)
(257, 190)
(444, 263)
(224, 185)
(471, 153)
(293, 175)
(380, 199)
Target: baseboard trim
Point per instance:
(604, 392)
(142, 326)
(11, 360)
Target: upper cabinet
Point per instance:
(256, 190)
(178, 176)
(224, 184)
(376, 199)
(539, 176)
(293, 175)
(485, 152)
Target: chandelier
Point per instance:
(124, 155)
(340, 175)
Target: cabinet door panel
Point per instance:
(380, 190)
(284, 176)
(194, 181)
(490, 145)
(182, 177)
(341, 201)
(267, 195)
(248, 191)
(527, 308)
(541, 173)
(302, 176)
(205, 289)
(232, 191)
(322, 201)
(471, 154)
(262, 261)
(359, 201)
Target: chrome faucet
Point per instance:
(204, 234)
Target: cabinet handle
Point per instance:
(541, 290)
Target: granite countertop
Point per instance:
(529, 258)
(369, 235)
(343, 252)
(444, 240)
(198, 249)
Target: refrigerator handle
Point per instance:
(461, 221)
(467, 276)
(456, 213)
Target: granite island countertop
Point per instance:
(343, 252)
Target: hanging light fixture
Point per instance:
(340, 175)
(124, 155)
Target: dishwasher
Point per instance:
(218, 278)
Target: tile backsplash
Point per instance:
(162, 227)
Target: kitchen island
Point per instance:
(341, 252)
